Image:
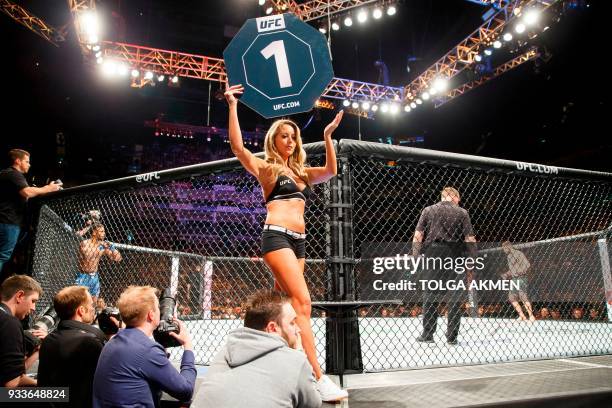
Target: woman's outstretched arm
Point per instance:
(251, 163)
(322, 174)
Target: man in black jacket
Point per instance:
(18, 296)
(69, 355)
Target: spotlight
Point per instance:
(520, 28)
(148, 75)
(531, 17)
(413, 105)
(92, 39)
(377, 13)
(384, 108)
(109, 68)
(255, 143)
(488, 52)
(160, 78)
(419, 101)
(346, 103)
(507, 37)
(135, 73)
(478, 58)
(174, 79)
(433, 91)
(322, 30)
(497, 44)
(269, 10)
(425, 96)
(394, 109)
(362, 17)
(335, 26)
(348, 21)
(96, 48)
(391, 10)
(100, 60)
(355, 105)
(88, 22)
(441, 84)
(365, 105)
(374, 108)
(262, 2)
(98, 54)
(407, 108)
(122, 70)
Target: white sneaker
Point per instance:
(330, 391)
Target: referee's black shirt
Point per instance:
(444, 222)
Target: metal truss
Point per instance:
(213, 69)
(530, 55)
(315, 9)
(340, 88)
(462, 56)
(183, 128)
(76, 8)
(166, 62)
(31, 22)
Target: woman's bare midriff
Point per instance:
(287, 213)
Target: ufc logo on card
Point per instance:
(270, 23)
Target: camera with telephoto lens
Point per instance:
(167, 304)
(46, 321)
(104, 320)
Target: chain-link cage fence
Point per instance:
(197, 230)
(560, 220)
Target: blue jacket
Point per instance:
(133, 370)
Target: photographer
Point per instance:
(133, 369)
(19, 295)
(14, 193)
(69, 355)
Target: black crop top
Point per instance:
(285, 188)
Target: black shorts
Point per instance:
(273, 240)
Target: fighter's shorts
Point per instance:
(91, 281)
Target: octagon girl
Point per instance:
(286, 185)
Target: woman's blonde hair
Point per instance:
(296, 161)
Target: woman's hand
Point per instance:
(231, 92)
(329, 129)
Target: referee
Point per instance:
(441, 233)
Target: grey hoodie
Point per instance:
(256, 369)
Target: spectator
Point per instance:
(262, 364)
(363, 312)
(577, 313)
(100, 304)
(69, 355)
(594, 314)
(19, 295)
(481, 311)
(133, 369)
(544, 313)
(555, 314)
(14, 192)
